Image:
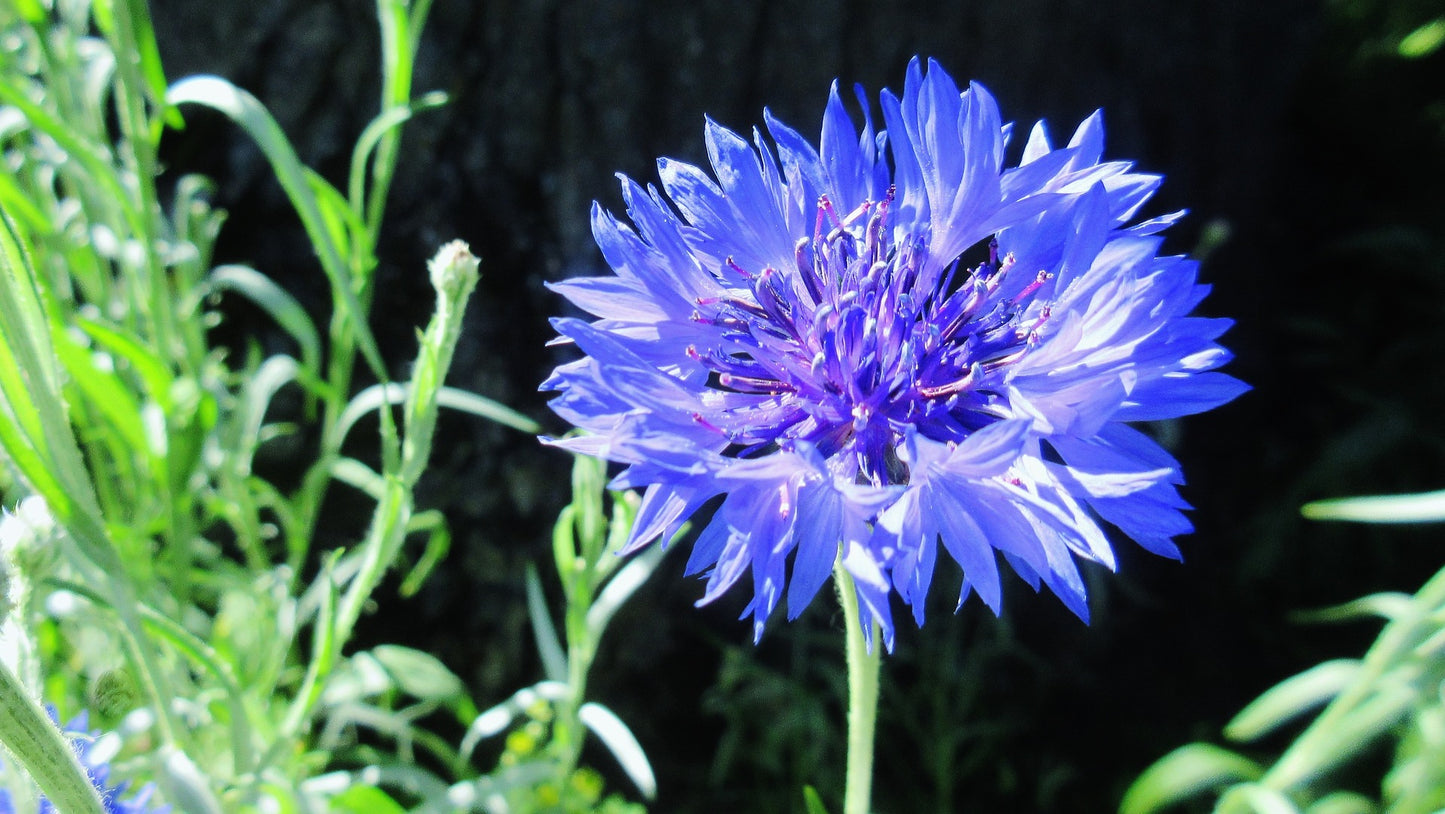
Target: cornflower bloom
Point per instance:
(891, 340)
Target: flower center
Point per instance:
(859, 341)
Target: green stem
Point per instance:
(42, 751)
(863, 670)
(568, 730)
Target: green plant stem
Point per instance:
(454, 272)
(41, 749)
(581, 650)
(863, 670)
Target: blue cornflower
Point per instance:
(96, 762)
(890, 340)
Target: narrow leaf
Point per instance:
(1386, 605)
(358, 475)
(438, 543)
(1342, 802)
(1423, 41)
(619, 740)
(1258, 799)
(277, 303)
(484, 407)
(358, 799)
(554, 658)
(1186, 773)
(252, 116)
(1424, 507)
(812, 801)
(1292, 698)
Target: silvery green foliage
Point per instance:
(1392, 698)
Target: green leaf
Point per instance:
(365, 800)
(623, 745)
(1185, 773)
(35, 429)
(1424, 507)
(1257, 798)
(31, 11)
(812, 801)
(1388, 605)
(154, 373)
(94, 160)
(554, 658)
(483, 407)
(299, 184)
(278, 304)
(256, 394)
(185, 785)
(149, 55)
(1292, 698)
(102, 389)
(438, 543)
(384, 123)
(372, 397)
(419, 674)
(1343, 802)
(324, 649)
(1423, 41)
(337, 217)
(18, 204)
(1348, 734)
(358, 475)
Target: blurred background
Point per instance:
(1308, 144)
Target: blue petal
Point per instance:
(966, 543)
(819, 532)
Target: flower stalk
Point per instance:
(864, 666)
(40, 748)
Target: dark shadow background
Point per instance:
(1292, 125)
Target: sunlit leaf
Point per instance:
(365, 800)
(620, 741)
(812, 801)
(1258, 799)
(1292, 698)
(1349, 735)
(277, 303)
(419, 674)
(299, 185)
(1423, 41)
(1386, 605)
(1186, 773)
(1425, 507)
(438, 543)
(1342, 802)
(38, 745)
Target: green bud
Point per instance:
(454, 271)
(113, 693)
